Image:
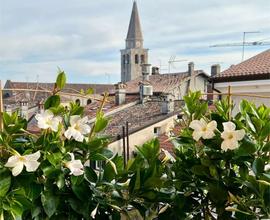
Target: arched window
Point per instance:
(78, 101)
(127, 59)
(136, 59)
(142, 59)
(124, 59)
(89, 101)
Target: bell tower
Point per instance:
(134, 55)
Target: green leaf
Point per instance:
(243, 171)
(54, 158)
(265, 132)
(90, 91)
(200, 170)
(49, 202)
(17, 210)
(5, 181)
(213, 171)
(61, 80)
(60, 182)
(266, 147)
(81, 191)
(258, 166)
(138, 180)
(247, 147)
(90, 174)
(100, 123)
(52, 101)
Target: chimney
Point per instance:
(24, 109)
(215, 69)
(41, 106)
(146, 90)
(120, 93)
(155, 70)
(167, 104)
(146, 71)
(191, 68)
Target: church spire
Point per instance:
(134, 36)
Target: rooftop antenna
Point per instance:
(173, 60)
(162, 65)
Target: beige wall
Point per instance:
(140, 137)
(256, 87)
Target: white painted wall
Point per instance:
(140, 137)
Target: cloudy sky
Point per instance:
(84, 37)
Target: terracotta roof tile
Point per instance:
(257, 67)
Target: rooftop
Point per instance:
(255, 68)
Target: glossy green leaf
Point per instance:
(52, 101)
(5, 181)
(61, 80)
(258, 166)
(49, 202)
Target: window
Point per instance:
(78, 102)
(124, 59)
(127, 59)
(89, 101)
(136, 59)
(157, 131)
(142, 59)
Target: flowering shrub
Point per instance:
(222, 163)
(47, 176)
(219, 170)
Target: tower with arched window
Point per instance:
(134, 54)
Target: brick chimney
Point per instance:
(215, 69)
(120, 93)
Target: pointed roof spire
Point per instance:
(134, 29)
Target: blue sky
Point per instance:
(84, 37)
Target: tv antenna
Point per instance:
(171, 62)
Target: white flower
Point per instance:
(17, 162)
(94, 212)
(168, 156)
(78, 128)
(231, 136)
(203, 129)
(75, 166)
(48, 120)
